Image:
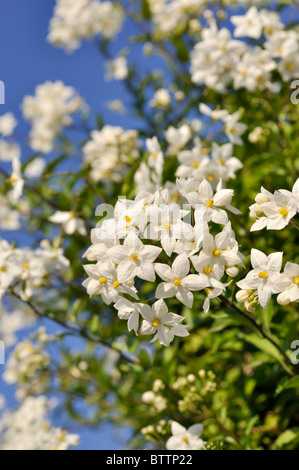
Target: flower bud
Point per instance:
(258, 209)
(283, 299)
(148, 397)
(261, 198)
(232, 271)
(242, 295)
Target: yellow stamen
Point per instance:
(216, 253)
(232, 130)
(128, 219)
(3, 269)
(154, 155)
(195, 164)
(296, 280)
(208, 270)
(176, 197)
(103, 280)
(177, 282)
(204, 151)
(26, 266)
(186, 440)
(283, 212)
(263, 275)
(289, 66)
(115, 284)
(155, 322)
(134, 257)
(222, 161)
(210, 203)
(166, 226)
(210, 177)
(13, 179)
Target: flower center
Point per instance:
(195, 164)
(210, 177)
(103, 280)
(186, 440)
(166, 226)
(3, 269)
(232, 130)
(115, 284)
(154, 155)
(263, 275)
(283, 212)
(296, 280)
(155, 322)
(26, 266)
(176, 197)
(134, 257)
(210, 203)
(177, 282)
(128, 219)
(208, 270)
(222, 161)
(216, 252)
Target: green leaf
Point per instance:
(291, 383)
(287, 437)
(146, 10)
(145, 359)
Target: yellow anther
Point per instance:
(13, 179)
(208, 270)
(204, 151)
(166, 226)
(289, 65)
(296, 280)
(134, 257)
(232, 130)
(177, 282)
(186, 440)
(222, 161)
(195, 164)
(283, 212)
(128, 219)
(210, 203)
(176, 197)
(115, 284)
(154, 155)
(26, 266)
(210, 177)
(216, 252)
(103, 280)
(3, 269)
(263, 275)
(155, 322)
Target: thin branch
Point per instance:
(234, 307)
(76, 331)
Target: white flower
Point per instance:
(70, 223)
(288, 284)
(183, 439)
(7, 124)
(116, 69)
(265, 276)
(128, 311)
(177, 138)
(250, 24)
(134, 259)
(203, 194)
(162, 99)
(234, 129)
(163, 324)
(179, 282)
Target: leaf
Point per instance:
(264, 345)
(291, 383)
(145, 359)
(146, 10)
(285, 438)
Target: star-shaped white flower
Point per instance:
(178, 282)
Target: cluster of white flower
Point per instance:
(219, 60)
(13, 321)
(26, 364)
(266, 279)
(10, 152)
(275, 211)
(49, 111)
(24, 269)
(75, 20)
(163, 224)
(109, 151)
(171, 16)
(28, 428)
